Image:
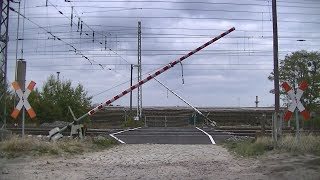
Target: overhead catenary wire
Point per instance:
(54, 36)
(310, 2)
(179, 17)
(124, 8)
(171, 40)
(58, 38)
(166, 34)
(99, 6)
(80, 23)
(152, 52)
(193, 2)
(154, 64)
(126, 28)
(208, 69)
(81, 27)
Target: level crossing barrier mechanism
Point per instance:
(56, 133)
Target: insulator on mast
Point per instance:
(81, 28)
(71, 16)
(78, 24)
(182, 73)
(105, 42)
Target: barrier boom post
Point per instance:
(140, 83)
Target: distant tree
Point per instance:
(298, 66)
(9, 102)
(51, 103)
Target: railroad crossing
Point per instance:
(56, 132)
(173, 135)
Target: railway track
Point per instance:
(247, 131)
(45, 131)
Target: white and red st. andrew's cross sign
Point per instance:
(296, 103)
(23, 99)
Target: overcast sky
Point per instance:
(230, 72)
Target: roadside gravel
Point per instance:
(144, 161)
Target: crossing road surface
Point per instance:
(161, 135)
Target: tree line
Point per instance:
(51, 101)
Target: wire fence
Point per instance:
(172, 121)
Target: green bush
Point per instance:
(313, 123)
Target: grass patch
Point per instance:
(307, 144)
(102, 142)
(17, 146)
(246, 147)
(72, 146)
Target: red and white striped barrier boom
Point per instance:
(296, 103)
(140, 83)
(170, 65)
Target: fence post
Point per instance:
(274, 129)
(145, 121)
(280, 124)
(263, 124)
(165, 121)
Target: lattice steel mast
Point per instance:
(139, 105)
(4, 20)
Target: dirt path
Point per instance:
(161, 162)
